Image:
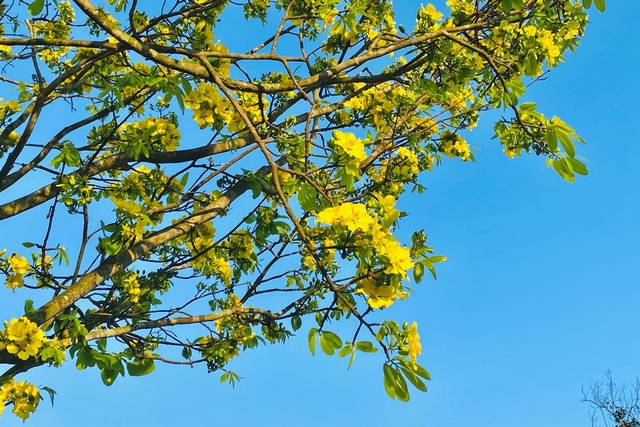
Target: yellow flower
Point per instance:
(25, 397)
(223, 269)
(23, 338)
(351, 145)
(379, 296)
(14, 281)
(354, 216)
(432, 13)
(413, 339)
(399, 258)
(18, 264)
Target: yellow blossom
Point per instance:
(18, 264)
(354, 216)
(23, 396)
(14, 281)
(22, 337)
(379, 296)
(351, 145)
(431, 12)
(399, 259)
(413, 339)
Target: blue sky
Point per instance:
(539, 296)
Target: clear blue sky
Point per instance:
(539, 296)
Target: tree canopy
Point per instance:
(207, 176)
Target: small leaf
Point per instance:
(108, 376)
(139, 368)
(413, 379)
(312, 340)
(345, 350)
(600, 5)
(389, 381)
(36, 7)
(325, 346)
(28, 306)
(296, 322)
(51, 392)
(332, 339)
(578, 167)
(566, 142)
(366, 347)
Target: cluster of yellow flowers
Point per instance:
(413, 339)
(209, 107)
(350, 145)
(131, 287)
(427, 17)
(236, 328)
(8, 108)
(59, 28)
(354, 216)
(453, 145)
(23, 396)
(159, 130)
(240, 245)
(462, 7)
(22, 337)
(379, 104)
(381, 289)
(379, 295)
(17, 267)
(223, 269)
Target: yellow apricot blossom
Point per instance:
(351, 145)
(399, 257)
(379, 296)
(14, 281)
(23, 396)
(354, 216)
(22, 337)
(18, 264)
(413, 339)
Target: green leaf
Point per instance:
(28, 306)
(51, 392)
(332, 339)
(402, 392)
(186, 352)
(578, 167)
(307, 197)
(325, 346)
(347, 349)
(600, 5)
(366, 347)
(139, 368)
(312, 340)
(418, 272)
(108, 376)
(563, 167)
(296, 322)
(551, 139)
(84, 359)
(389, 381)
(566, 142)
(506, 5)
(184, 180)
(413, 379)
(36, 7)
